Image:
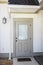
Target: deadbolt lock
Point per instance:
(30, 38)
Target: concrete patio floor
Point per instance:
(32, 62)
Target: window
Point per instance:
(22, 32)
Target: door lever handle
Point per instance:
(16, 39)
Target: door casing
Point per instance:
(14, 33)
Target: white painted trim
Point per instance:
(23, 6)
(23, 15)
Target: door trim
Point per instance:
(19, 19)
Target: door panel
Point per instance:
(23, 38)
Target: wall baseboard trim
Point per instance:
(37, 53)
(6, 55)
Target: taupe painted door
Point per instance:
(23, 38)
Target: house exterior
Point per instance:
(14, 13)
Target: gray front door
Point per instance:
(23, 38)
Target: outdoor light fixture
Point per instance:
(4, 20)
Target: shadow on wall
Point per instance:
(24, 2)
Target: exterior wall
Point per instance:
(6, 30)
(41, 13)
(37, 34)
(36, 29)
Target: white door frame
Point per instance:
(13, 16)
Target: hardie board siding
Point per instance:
(6, 37)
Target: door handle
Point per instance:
(16, 39)
(30, 38)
